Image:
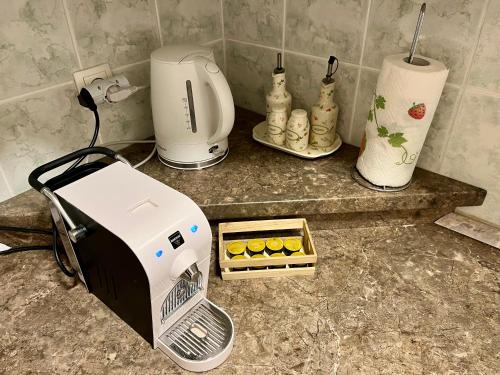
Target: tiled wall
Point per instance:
(43, 42)
(464, 139)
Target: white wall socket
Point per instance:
(86, 76)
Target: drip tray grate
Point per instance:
(201, 334)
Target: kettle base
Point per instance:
(194, 165)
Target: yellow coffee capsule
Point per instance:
(292, 245)
(274, 245)
(255, 247)
(238, 257)
(298, 254)
(236, 248)
(278, 255)
(258, 256)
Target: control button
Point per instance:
(194, 228)
(211, 67)
(159, 253)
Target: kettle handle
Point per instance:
(221, 89)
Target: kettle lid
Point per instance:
(179, 53)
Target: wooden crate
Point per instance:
(264, 229)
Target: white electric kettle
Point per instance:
(193, 109)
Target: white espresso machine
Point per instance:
(143, 249)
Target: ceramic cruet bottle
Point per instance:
(297, 130)
(325, 112)
(278, 95)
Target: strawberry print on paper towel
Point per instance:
(417, 111)
(396, 139)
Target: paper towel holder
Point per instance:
(416, 61)
(357, 177)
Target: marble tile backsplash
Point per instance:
(118, 32)
(248, 69)
(473, 153)
(35, 46)
(190, 20)
(463, 139)
(318, 27)
(259, 21)
(43, 42)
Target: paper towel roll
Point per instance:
(401, 112)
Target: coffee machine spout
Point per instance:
(192, 274)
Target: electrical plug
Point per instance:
(85, 99)
(116, 94)
(112, 90)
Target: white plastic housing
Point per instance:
(144, 212)
(193, 109)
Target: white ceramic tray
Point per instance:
(311, 152)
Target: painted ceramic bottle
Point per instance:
(324, 117)
(276, 124)
(297, 130)
(324, 113)
(278, 95)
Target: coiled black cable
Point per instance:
(55, 249)
(54, 246)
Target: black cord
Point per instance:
(85, 99)
(26, 230)
(92, 142)
(55, 249)
(18, 249)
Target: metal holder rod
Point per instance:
(417, 33)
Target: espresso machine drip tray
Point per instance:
(204, 334)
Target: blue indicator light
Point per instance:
(159, 253)
(194, 228)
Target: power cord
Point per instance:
(148, 158)
(85, 99)
(54, 246)
(18, 249)
(57, 257)
(25, 230)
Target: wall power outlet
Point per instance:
(86, 76)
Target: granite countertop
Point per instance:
(415, 299)
(257, 181)
(399, 298)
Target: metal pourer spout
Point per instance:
(279, 65)
(192, 274)
(330, 72)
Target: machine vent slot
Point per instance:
(180, 293)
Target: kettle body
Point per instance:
(192, 104)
